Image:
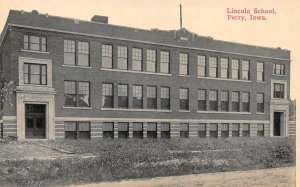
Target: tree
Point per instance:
(7, 88)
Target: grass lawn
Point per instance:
(111, 160)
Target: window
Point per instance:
(151, 97)
(260, 102)
(201, 130)
(235, 98)
(224, 68)
(278, 69)
(183, 64)
(108, 130)
(245, 102)
(35, 43)
(235, 130)
(151, 130)
(122, 58)
(123, 132)
(245, 70)
(224, 130)
(123, 96)
(184, 130)
(77, 130)
(165, 130)
(77, 94)
(224, 101)
(82, 53)
(260, 130)
(151, 60)
(107, 95)
(260, 71)
(246, 130)
(213, 100)
(201, 66)
(213, 64)
(235, 69)
(107, 56)
(137, 129)
(137, 96)
(184, 98)
(137, 59)
(164, 62)
(278, 90)
(35, 74)
(213, 130)
(165, 98)
(201, 100)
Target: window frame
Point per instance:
(184, 102)
(107, 54)
(165, 97)
(201, 64)
(163, 62)
(77, 125)
(224, 68)
(137, 96)
(213, 69)
(137, 57)
(40, 73)
(27, 46)
(184, 63)
(260, 71)
(104, 94)
(151, 98)
(151, 59)
(77, 53)
(77, 93)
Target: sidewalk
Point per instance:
(280, 177)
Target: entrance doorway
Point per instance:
(278, 123)
(35, 125)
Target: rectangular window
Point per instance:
(278, 69)
(224, 68)
(213, 67)
(122, 57)
(235, 130)
(35, 74)
(260, 130)
(123, 96)
(224, 101)
(123, 130)
(83, 54)
(201, 130)
(246, 130)
(201, 100)
(164, 62)
(77, 130)
(213, 100)
(107, 95)
(201, 65)
(35, 43)
(107, 61)
(83, 94)
(260, 102)
(183, 64)
(184, 98)
(165, 98)
(108, 130)
(70, 93)
(137, 59)
(69, 52)
(213, 130)
(235, 69)
(151, 97)
(151, 130)
(137, 96)
(245, 70)
(278, 90)
(151, 60)
(246, 102)
(165, 130)
(224, 130)
(260, 71)
(137, 129)
(77, 94)
(184, 130)
(235, 98)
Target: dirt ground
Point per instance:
(278, 177)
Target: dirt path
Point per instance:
(280, 177)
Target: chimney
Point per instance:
(100, 19)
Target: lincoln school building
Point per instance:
(89, 79)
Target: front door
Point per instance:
(278, 120)
(35, 121)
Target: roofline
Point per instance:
(138, 41)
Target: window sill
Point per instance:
(223, 79)
(222, 112)
(84, 67)
(184, 75)
(31, 51)
(134, 110)
(184, 111)
(133, 71)
(261, 82)
(279, 75)
(79, 108)
(261, 113)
